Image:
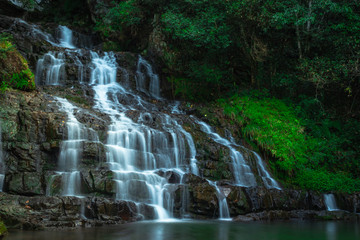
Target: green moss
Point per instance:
(76, 99)
(3, 230)
(112, 46)
(299, 158)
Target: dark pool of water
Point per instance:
(204, 230)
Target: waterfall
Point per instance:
(145, 147)
(66, 37)
(70, 152)
(269, 182)
(136, 152)
(146, 80)
(2, 163)
(80, 66)
(50, 69)
(330, 202)
(223, 207)
(241, 171)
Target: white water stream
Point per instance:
(70, 152)
(136, 152)
(330, 202)
(66, 38)
(51, 67)
(224, 214)
(241, 170)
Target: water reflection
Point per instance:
(223, 231)
(331, 231)
(205, 230)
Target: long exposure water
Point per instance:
(209, 230)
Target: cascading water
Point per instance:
(70, 152)
(146, 80)
(136, 152)
(269, 182)
(2, 163)
(223, 206)
(241, 171)
(66, 37)
(330, 202)
(51, 67)
(34, 31)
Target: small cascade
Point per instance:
(223, 207)
(269, 182)
(146, 80)
(175, 108)
(241, 171)
(34, 31)
(193, 162)
(185, 201)
(70, 152)
(330, 202)
(80, 66)
(66, 37)
(2, 163)
(50, 69)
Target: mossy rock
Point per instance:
(3, 230)
(14, 69)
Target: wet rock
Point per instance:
(315, 201)
(170, 176)
(93, 154)
(101, 182)
(119, 210)
(242, 218)
(203, 198)
(27, 183)
(238, 201)
(260, 198)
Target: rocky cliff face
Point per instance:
(34, 128)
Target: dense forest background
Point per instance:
(287, 72)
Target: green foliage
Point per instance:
(3, 230)
(4, 86)
(5, 44)
(314, 156)
(14, 70)
(323, 180)
(125, 13)
(252, 43)
(23, 80)
(273, 125)
(206, 28)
